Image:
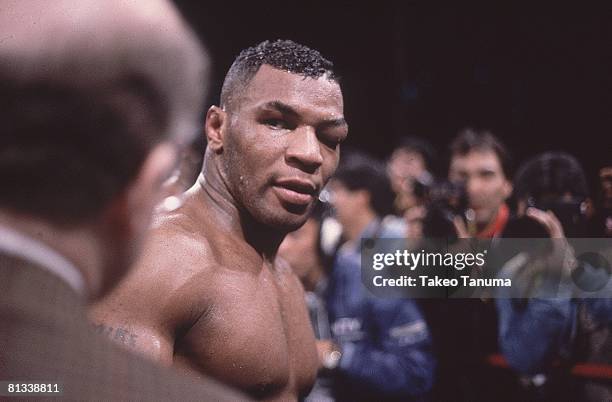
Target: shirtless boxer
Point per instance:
(210, 296)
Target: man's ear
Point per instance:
(507, 189)
(365, 198)
(129, 215)
(215, 128)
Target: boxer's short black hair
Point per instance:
(284, 55)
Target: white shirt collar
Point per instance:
(19, 245)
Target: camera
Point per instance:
(570, 211)
(444, 201)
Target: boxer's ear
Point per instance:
(215, 127)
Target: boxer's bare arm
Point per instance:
(152, 304)
(131, 332)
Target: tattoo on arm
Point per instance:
(118, 334)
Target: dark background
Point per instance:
(540, 78)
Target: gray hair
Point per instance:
(87, 88)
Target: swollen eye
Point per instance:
(331, 143)
(275, 123)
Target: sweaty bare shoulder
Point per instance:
(161, 296)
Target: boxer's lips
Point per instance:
(295, 191)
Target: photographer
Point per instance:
(472, 203)
(601, 223)
(409, 169)
(481, 162)
(535, 334)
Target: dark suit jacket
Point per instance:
(45, 336)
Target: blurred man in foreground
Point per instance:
(92, 121)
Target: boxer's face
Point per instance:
(282, 145)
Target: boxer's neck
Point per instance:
(223, 208)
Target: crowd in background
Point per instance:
(479, 349)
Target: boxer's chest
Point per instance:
(257, 337)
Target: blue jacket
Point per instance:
(533, 333)
(386, 345)
(600, 309)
